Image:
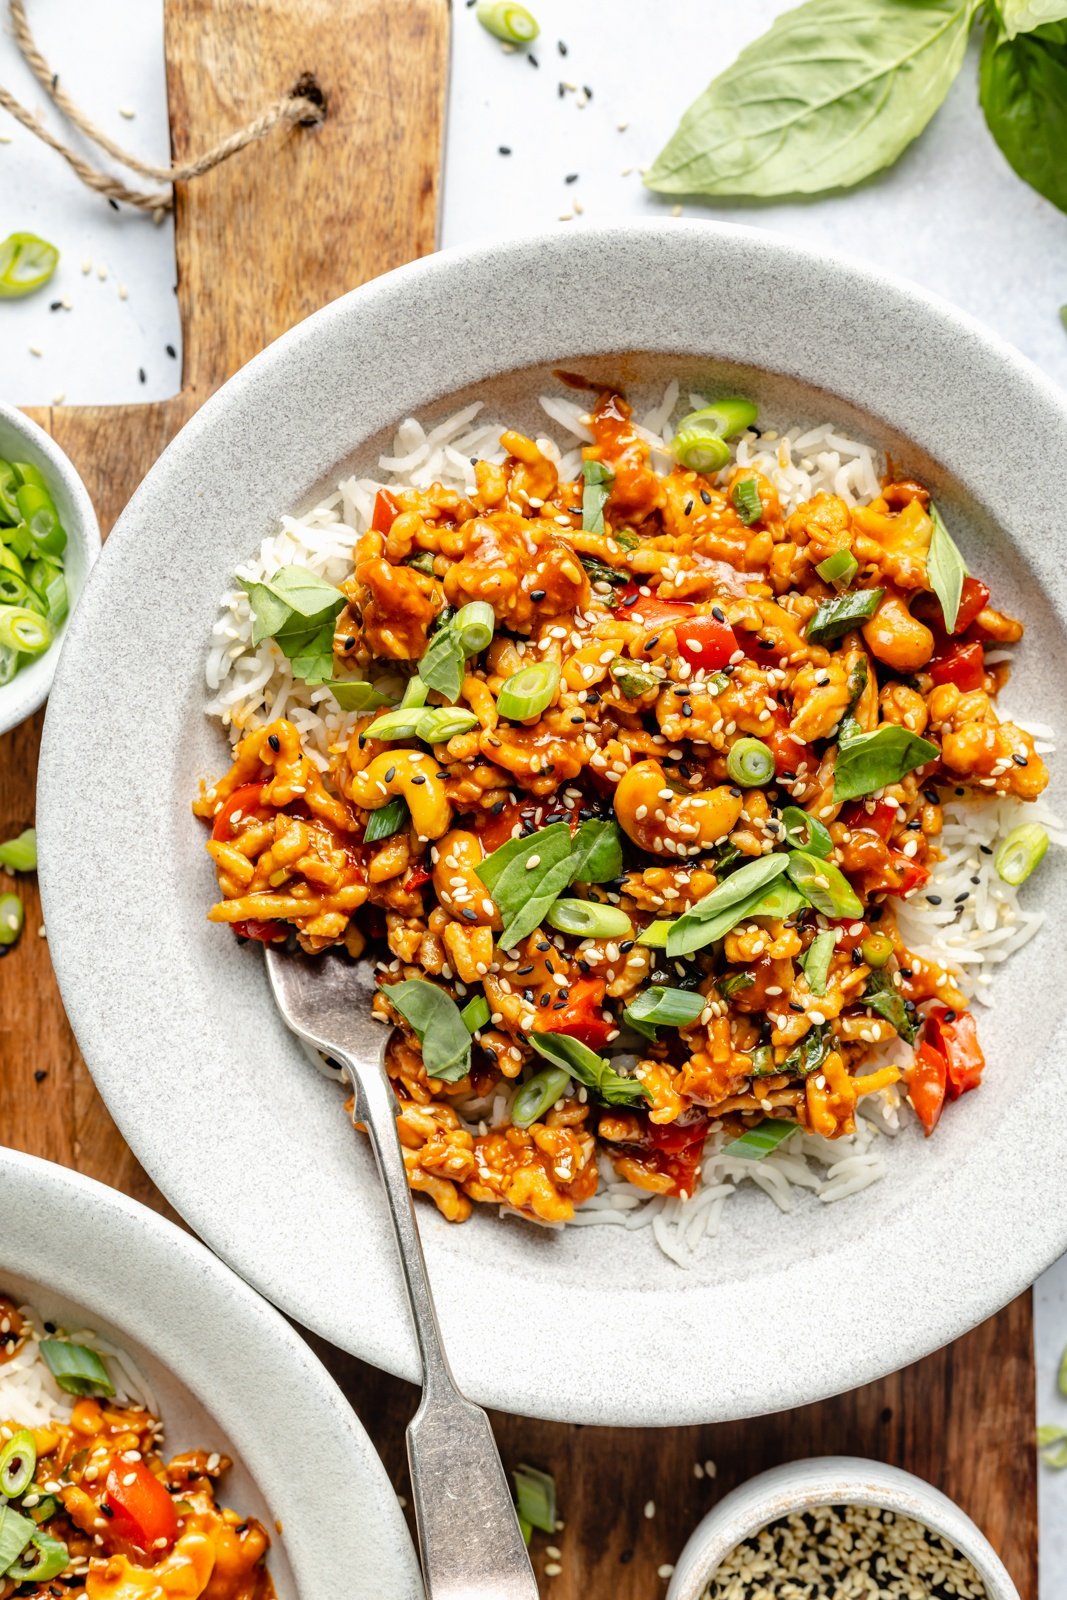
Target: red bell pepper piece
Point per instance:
(955, 1035)
(880, 820)
(974, 597)
(706, 643)
(264, 932)
(247, 798)
(653, 613)
(415, 879)
(142, 1512)
(582, 1016)
(926, 1080)
(961, 664)
(385, 512)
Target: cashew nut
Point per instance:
(663, 822)
(457, 885)
(412, 774)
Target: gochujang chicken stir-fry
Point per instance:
(642, 766)
(90, 1506)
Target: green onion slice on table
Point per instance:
(535, 1500)
(76, 1368)
(26, 263)
(12, 916)
(507, 21)
(20, 854)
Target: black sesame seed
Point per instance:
(141, 377)
(588, 91)
(40, 1075)
(496, 808)
(1020, 761)
(56, 305)
(736, 793)
(49, 1327)
(520, 972)
(986, 849)
(350, 642)
(533, 61)
(558, 1005)
(765, 644)
(687, 710)
(274, 742)
(169, 348)
(542, 945)
(390, 774)
(718, 613)
(933, 899)
(112, 203)
(471, 916)
(931, 796)
(572, 177)
(575, 511)
(105, 1509)
(562, 90)
(538, 594)
(689, 508)
(545, 998)
(420, 779)
(706, 497)
(561, 47)
(627, 944)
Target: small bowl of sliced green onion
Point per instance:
(49, 539)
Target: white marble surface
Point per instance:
(951, 216)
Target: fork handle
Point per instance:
(470, 1543)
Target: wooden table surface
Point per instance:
(263, 241)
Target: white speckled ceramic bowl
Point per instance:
(173, 1017)
(228, 1371)
(23, 440)
(830, 1480)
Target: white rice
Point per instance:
(976, 926)
(31, 1398)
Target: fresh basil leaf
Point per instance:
(534, 873)
(598, 480)
(442, 666)
(1022, 85)
(780, 901)
(761, 1140)
(596, 852)
(269, 614)
(857, 682)
(352, 694)
(1023, 16)
(626, 537)
(831, 93)
(492, 868)
(727, 905)
(435, 1019)
(310, 653)
(839, 616)
(387, 820)
(600, 572)
(304, 593)
(945, 567)
(869, 761)
(808, 1056)
(734, 982)
(816, 960)
(882, 996)
(823, 885)
(586, 1067)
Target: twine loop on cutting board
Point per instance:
(305, 104)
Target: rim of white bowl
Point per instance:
(831, 1480)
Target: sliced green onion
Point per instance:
(15, 591)
(805, 832)
(18, 1462)
(475, 625)
(9, 511)
(598, 478)
(12, 916)
(535, 1493)
(727, 417)
(762, 1140)
(416, 693)
(1019, 853)
(403, 723)
(42, 519)
(763, 1062)
(20, 855)
(476, 1013)
(750, 763)
(835, 618)
(26, 263)
(508, 21)
(824, 885)
(18, 539)
(76, 1368)
(26, 472)
(51, 1558)
(699, 446)
(663, 1008)
(15, 1534)
(538, 1095)
(423, 562)
(590, 919)
(816, 959)
(352, 694)
(23, 630)
(876, 949)
(387, 820)
(747, 503)
(444, 722)
(44, 1510)
(9, 664)
(841, 567)
(655, 935)
(529, 692)
(10, 562)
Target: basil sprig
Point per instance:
(1023, 89)
(945, 567)
(839, 616)
(882, 996)
(587, 1068)
(869, 761)
(526, 876)
(297, 609)
(598, 480)
(727, 905)
(444, 662)
(437, 1023)
(808, 1056)
(816, 959)
(833, 92)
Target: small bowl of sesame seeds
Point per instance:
(838, 1527)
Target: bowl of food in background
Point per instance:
(838, 1525)
(49, 539)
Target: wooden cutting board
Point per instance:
(263, 241)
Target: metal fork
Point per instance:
(470, 1543)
